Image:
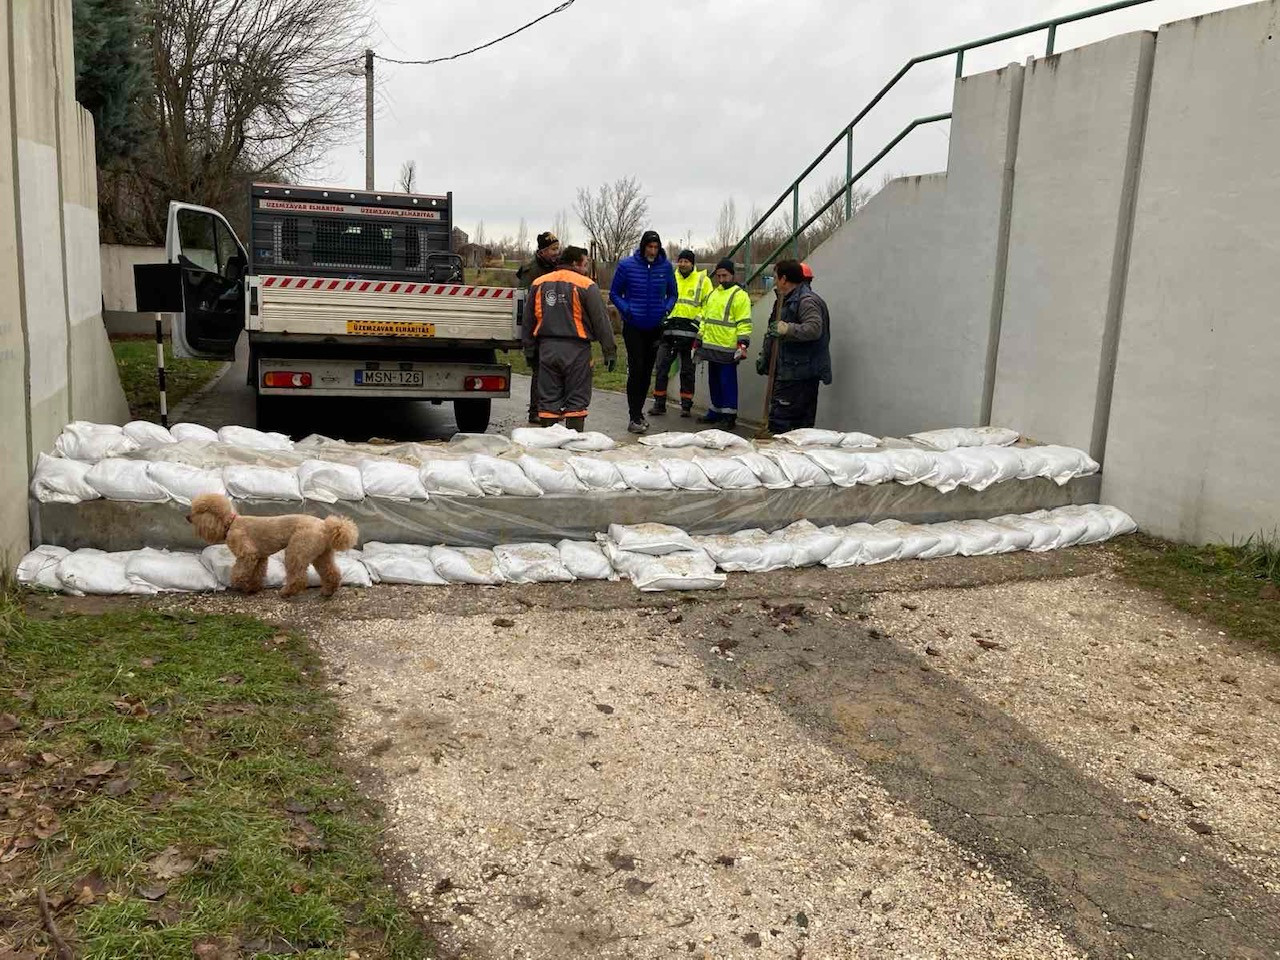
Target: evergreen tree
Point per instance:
(113, 75)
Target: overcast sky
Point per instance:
(701, 99)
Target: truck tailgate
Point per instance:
(382, 308)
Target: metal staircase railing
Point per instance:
(798, 229)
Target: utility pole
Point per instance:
(368, 119)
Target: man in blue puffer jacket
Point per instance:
(644, 291)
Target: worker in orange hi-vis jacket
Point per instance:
(564, 314)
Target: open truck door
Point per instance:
(202, 285)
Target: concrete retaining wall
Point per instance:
(118, 260)
(55, 361)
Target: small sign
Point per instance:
(348, 210)
(389, 328)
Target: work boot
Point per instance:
(659, 408)
(637, 426)
(686, 412)
(728, 423)
(533, 417)
(549, 421)
(576, 423)
(709, 417)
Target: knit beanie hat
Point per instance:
(546, 239)
(648, 237)
(687, 255)
(726, 264)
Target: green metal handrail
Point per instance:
(847, 133)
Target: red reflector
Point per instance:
(286, 378)
(485, 384)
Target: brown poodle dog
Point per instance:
(306, 541)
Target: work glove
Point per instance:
(782, 328)
(741, 353)
(697, 345)
(611, 364)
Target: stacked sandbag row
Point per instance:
(652, 556)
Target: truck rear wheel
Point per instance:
(472, 416)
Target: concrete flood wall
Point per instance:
(1116, 293)
(119, 299)
(55, 361)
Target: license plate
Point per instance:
(389, 378)
(390, 328)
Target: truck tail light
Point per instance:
(485, 384)
(286, 378)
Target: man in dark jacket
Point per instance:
(802, 331)
(565, 312)
(543, 262)
(644, 291)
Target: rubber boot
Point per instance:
(549, 421)
(659, 408)
(576, 423)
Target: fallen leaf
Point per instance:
(212, 856)
(298, 806)
(17, 846)
(504, 622)
(224, 950)
(88, 889)
(50, 759)
(444, 886)
(170, 864)
(933, 651)
(99, 769)
(637, 887)
(118, 788)
(605, 709)
(131, 707)
(802, 920)
(8, 723)
(620, 861)
(986, 644)
(1200, 827)
(148, 662)
(46, 825)
(155, 891)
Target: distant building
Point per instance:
(458, 239)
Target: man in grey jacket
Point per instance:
(802, 331)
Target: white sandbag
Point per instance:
(391, 480)
(450, 478)
(351, 566)
(183, 483)
(1071, 529)
(687, 474)
(1035, 463)
(39, 568)
(467, 565)
(250, 482)
(948, 544)
(720, 440)
(91, 442)
(599, 476)
(977, 538)
(125, 480)
(1044, 534)
(1097, 526)
(544, 438)
(147, 434)
(980, 470)
(57, 480)
(654, 539)
(844, 467)
(671, 441)
(809, 544)
(490, 443)
(686, 570)
(799, 468)
(911, 466)
(949, 472)
(855, 439)
(531, 563)
(766, 470)
(957, 437)
(994, 436)
(166, 572)
(551, 476)
(96, 573)
(1067, 463)
(590, 442)
(1120, 523)
(811, 437)
(586, 561)
(862, 544)
(1013, 538)
(747, 551)
(1008, 462)
(501, 478)
(918, 540)
(254, 439)
(327, 482)
(408, 563)
(729, 473)
(194, 432)
(646, 476)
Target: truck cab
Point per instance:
(340, 293)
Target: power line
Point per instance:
(484, 46)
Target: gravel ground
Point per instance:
(1179, 719)
(572, 786)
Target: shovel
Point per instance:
(763, 433)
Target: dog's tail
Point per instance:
(341, 533)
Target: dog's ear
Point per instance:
(211, 516)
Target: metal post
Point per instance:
(1053, 35)
(368, 119)
(747, 253)
(795, 217)
(959, 64)
(848, 175)
(164, 397)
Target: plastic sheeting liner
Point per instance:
(194, 432)
(246, 482)
(809, 544)
(125, 480)
(543, 438)
(799, 468)
(498, 477)
(389, 480)
(61, 481)
(467, 565)
(766, 470)
(862, 544)
(586, 561)
(39, 568)
(598, 475)
(168, 572)
(654, 539)
(254, 439)
(551, 476)
(917, 539)
(407, 563)
(96, 573)
(183, 483)
(747, 551)
(91, 442)
(450, 478)
(531, 563)
(687, 475)
(328, 482)
(728, 473)
(147, 434)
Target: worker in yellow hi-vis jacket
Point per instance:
(724, 334)
(693, 286)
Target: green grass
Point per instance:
(136, 361)
(223, 744)
(1237, 587)
(601, 378)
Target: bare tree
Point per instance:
(560, 227)
(613, 216)
(244, 89)
(833, 218)
(522, 240)
(726, 227)
(479, 238)
(407, 182)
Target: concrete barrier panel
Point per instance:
(14, 465)
(1079, 144)
(1193, 451)
(117, 263)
